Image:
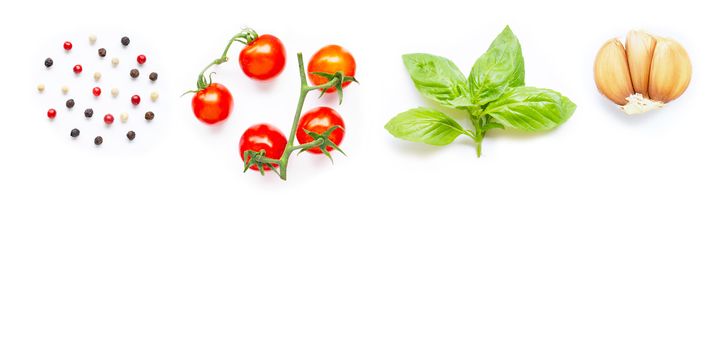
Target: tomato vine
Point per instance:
(321, 140)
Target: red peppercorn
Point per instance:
(67, 45)
(51, 113)
(141, 59)
(135, 100)
(97, 91)
(109, 119)
(77, 69)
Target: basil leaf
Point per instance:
(426, 126)
(531, 109)
(438, 79)
(502, 67)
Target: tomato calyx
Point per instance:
(322, 142)
(259, 160)
(335, 81)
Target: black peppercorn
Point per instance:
(149, 115)
(48, 62)
(98, 140)
(131, 135)
(102, 52)
(153, 76)
(88, 112)
(74, 133)
(125, 41)
(134, 73)
(70, 103)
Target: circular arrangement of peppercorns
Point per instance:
(88, 97)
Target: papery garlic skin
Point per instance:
(611, 72)
(639, 51)
(671, 71)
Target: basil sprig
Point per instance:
(494, 95)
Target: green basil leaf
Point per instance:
(502, 67)
(426, 126)
(438, 79)
(531, 109)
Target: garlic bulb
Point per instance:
(645, 75)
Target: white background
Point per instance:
(594, 236)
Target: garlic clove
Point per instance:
(611, 72)
(639, 51)
(670, 71)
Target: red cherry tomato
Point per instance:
(264, 58)
(212, 104)
(331, 59)
(319, 120)
(263, 137)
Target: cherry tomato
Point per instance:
(212, 104)
(319, 120)
(264, 58)
(331, 59)
(263, 137)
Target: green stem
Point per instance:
(245, 37)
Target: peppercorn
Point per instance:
(98, 140)
(74, 133)
(92, 39)
(141, 59)
(125, 41)
(41, 88)
(49, 62)
(115, 92)
(153, 76)
(135, 100)
(109, 119)
(67, 45)
(124, 117)
(96, 91)
(134, 73)
(154, 96)
(77, 69)
(131, 135)
(88, 112)
(102, 52)
(70, 103)
(51, 113)
(97, 76)
(149, 115)
(115, 61)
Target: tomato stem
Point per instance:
(245, 37)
